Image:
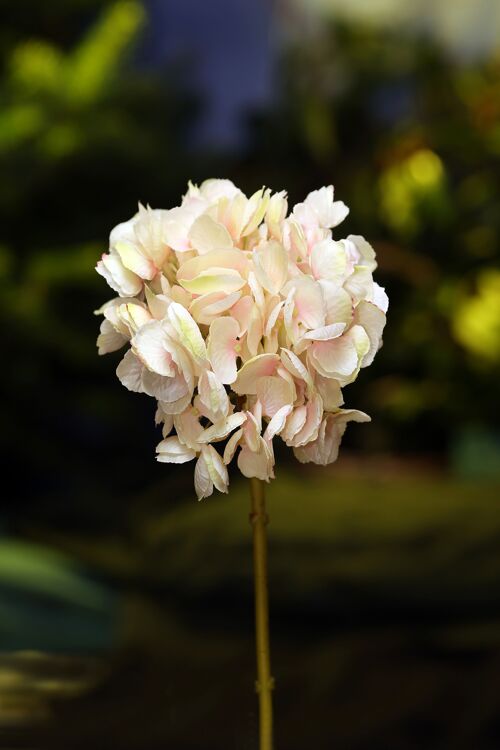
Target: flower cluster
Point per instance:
(244, 322)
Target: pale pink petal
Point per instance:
(242, 311)
(109, 340)
(150, 344)
(222, 341)
(206, 235)
(309, 303)
(294, 423)
(130, 372)
(329, 261)
(274, 393)
(231, 446)
(222, 428)
(277, 423)
(312, 424)
(255, 368)
(172, 451)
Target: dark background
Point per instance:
(126, 615)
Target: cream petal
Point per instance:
(255, 331)
(325, 449)
(214, 188)
(206, 235)
(330, 392)
(213, 396)
(380, 297)
(255, 463)
(325, 333)
(341, 358)
(360, 283)
(275, 213)
(295, 366)
(242, 311)
(216, 468)
(256, 209)
(188, 428)
(273, 317)
(257, 367)
(133, 259)
(329, 261)
(202, 481)
(329, 213)
(229, 259)
(157, 303)
(215, 280)
(119, 278)
(205, 308)
(172, 451)
(178, 406)
(373, 320)
(188, 332)
(365, 250)
(167, 389)
(270, 263)
(337, 301)
(312, 423)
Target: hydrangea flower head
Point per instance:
(244, 321)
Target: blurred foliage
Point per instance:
(384, 605)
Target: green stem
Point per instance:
(265, 683)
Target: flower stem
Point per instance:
(265, 683)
